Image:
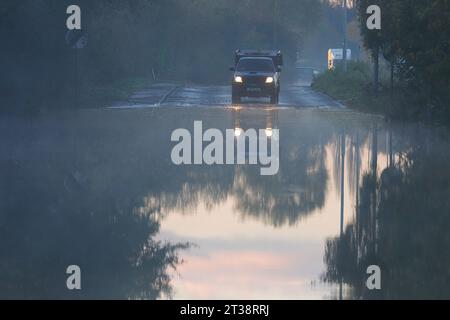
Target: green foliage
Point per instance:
(415, 37)
(98, 95)
(345, 86)
(353, 88)
(189, 40)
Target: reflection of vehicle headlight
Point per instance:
(237, 132)
(269, 132)
(238, 79)
(269, 80)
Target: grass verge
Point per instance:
(94, 96)
(354, 89)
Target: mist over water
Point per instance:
(88, 177)
(108, 197)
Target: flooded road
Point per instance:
(296, 95)
(98, 189)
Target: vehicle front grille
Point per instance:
(254, 80)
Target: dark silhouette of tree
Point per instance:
(190, 40)
(401, 225)
(414, 39)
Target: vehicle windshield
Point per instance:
(255, 65)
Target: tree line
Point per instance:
(191, 40)
(415, 39)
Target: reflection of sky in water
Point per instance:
(245, 258)
(100, 193)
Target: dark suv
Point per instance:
(256, 74)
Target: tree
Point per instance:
(415, 39)
(373, 39)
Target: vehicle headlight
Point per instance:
(269, 80)
(237, 132)
(238, 79)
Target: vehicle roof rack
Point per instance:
(276, 55)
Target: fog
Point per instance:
(184, 40)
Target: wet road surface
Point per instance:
(98, 188)
(176, 95)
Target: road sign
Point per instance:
(337, 54)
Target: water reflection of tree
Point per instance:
(294, 192)
(298, 188)
(64, 203)
(44, 230)
(300, 185)
(401, 224)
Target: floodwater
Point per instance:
(98, 189)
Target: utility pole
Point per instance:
(345, 36)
